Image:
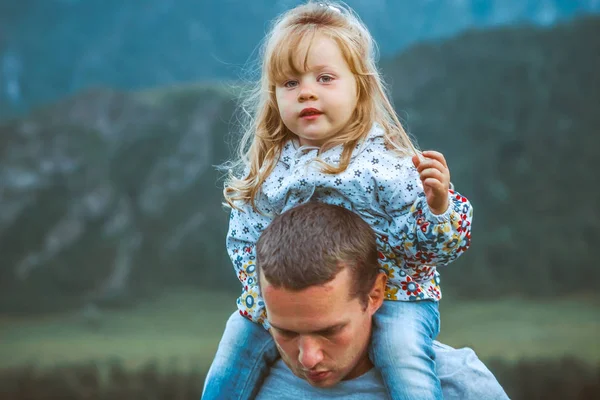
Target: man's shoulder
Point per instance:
(462, 375)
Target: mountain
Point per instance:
(515, 111)
(104, 190)
(108, 195)
(53, 48)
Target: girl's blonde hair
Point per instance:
(265, 134)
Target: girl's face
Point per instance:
(317, 102)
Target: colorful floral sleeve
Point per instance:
(245, 227)
(422, 237)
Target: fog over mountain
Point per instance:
(53, 48)
(110, 195)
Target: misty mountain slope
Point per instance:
(110, 195)
(101, 183)
(53, 48)
(516, 111)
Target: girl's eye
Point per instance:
(325, 78)
(290, 84)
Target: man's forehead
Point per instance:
(341, 282)
(312, 309)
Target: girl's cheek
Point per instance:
(289, 113)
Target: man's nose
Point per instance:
(306, 93)
(310, 354)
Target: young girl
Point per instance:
(321, 128)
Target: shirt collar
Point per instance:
(292, 150)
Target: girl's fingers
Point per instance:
(433, 173)
(430, 163)
(434, 164)
(435, 184)
(436, 155)
(416, 161)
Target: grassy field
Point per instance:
(182, 328)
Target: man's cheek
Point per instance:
(280, 348)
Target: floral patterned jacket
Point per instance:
(385, 190)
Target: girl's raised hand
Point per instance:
(435, 175)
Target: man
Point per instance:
(321, 283)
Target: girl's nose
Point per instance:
(306, 93)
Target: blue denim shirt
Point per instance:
(463, 377)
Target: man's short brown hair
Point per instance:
(310, 244)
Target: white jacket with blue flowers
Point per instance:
(384, 189)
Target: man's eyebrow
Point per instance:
(331, 328)
(280, 329)
(320, 331)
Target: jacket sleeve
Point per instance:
(245, 227)
(415, 233)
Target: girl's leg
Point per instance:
(402, 349)
(243, 359)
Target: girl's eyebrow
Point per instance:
(321, 67)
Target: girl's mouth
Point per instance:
(310, 113)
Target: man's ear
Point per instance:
(377, 293)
